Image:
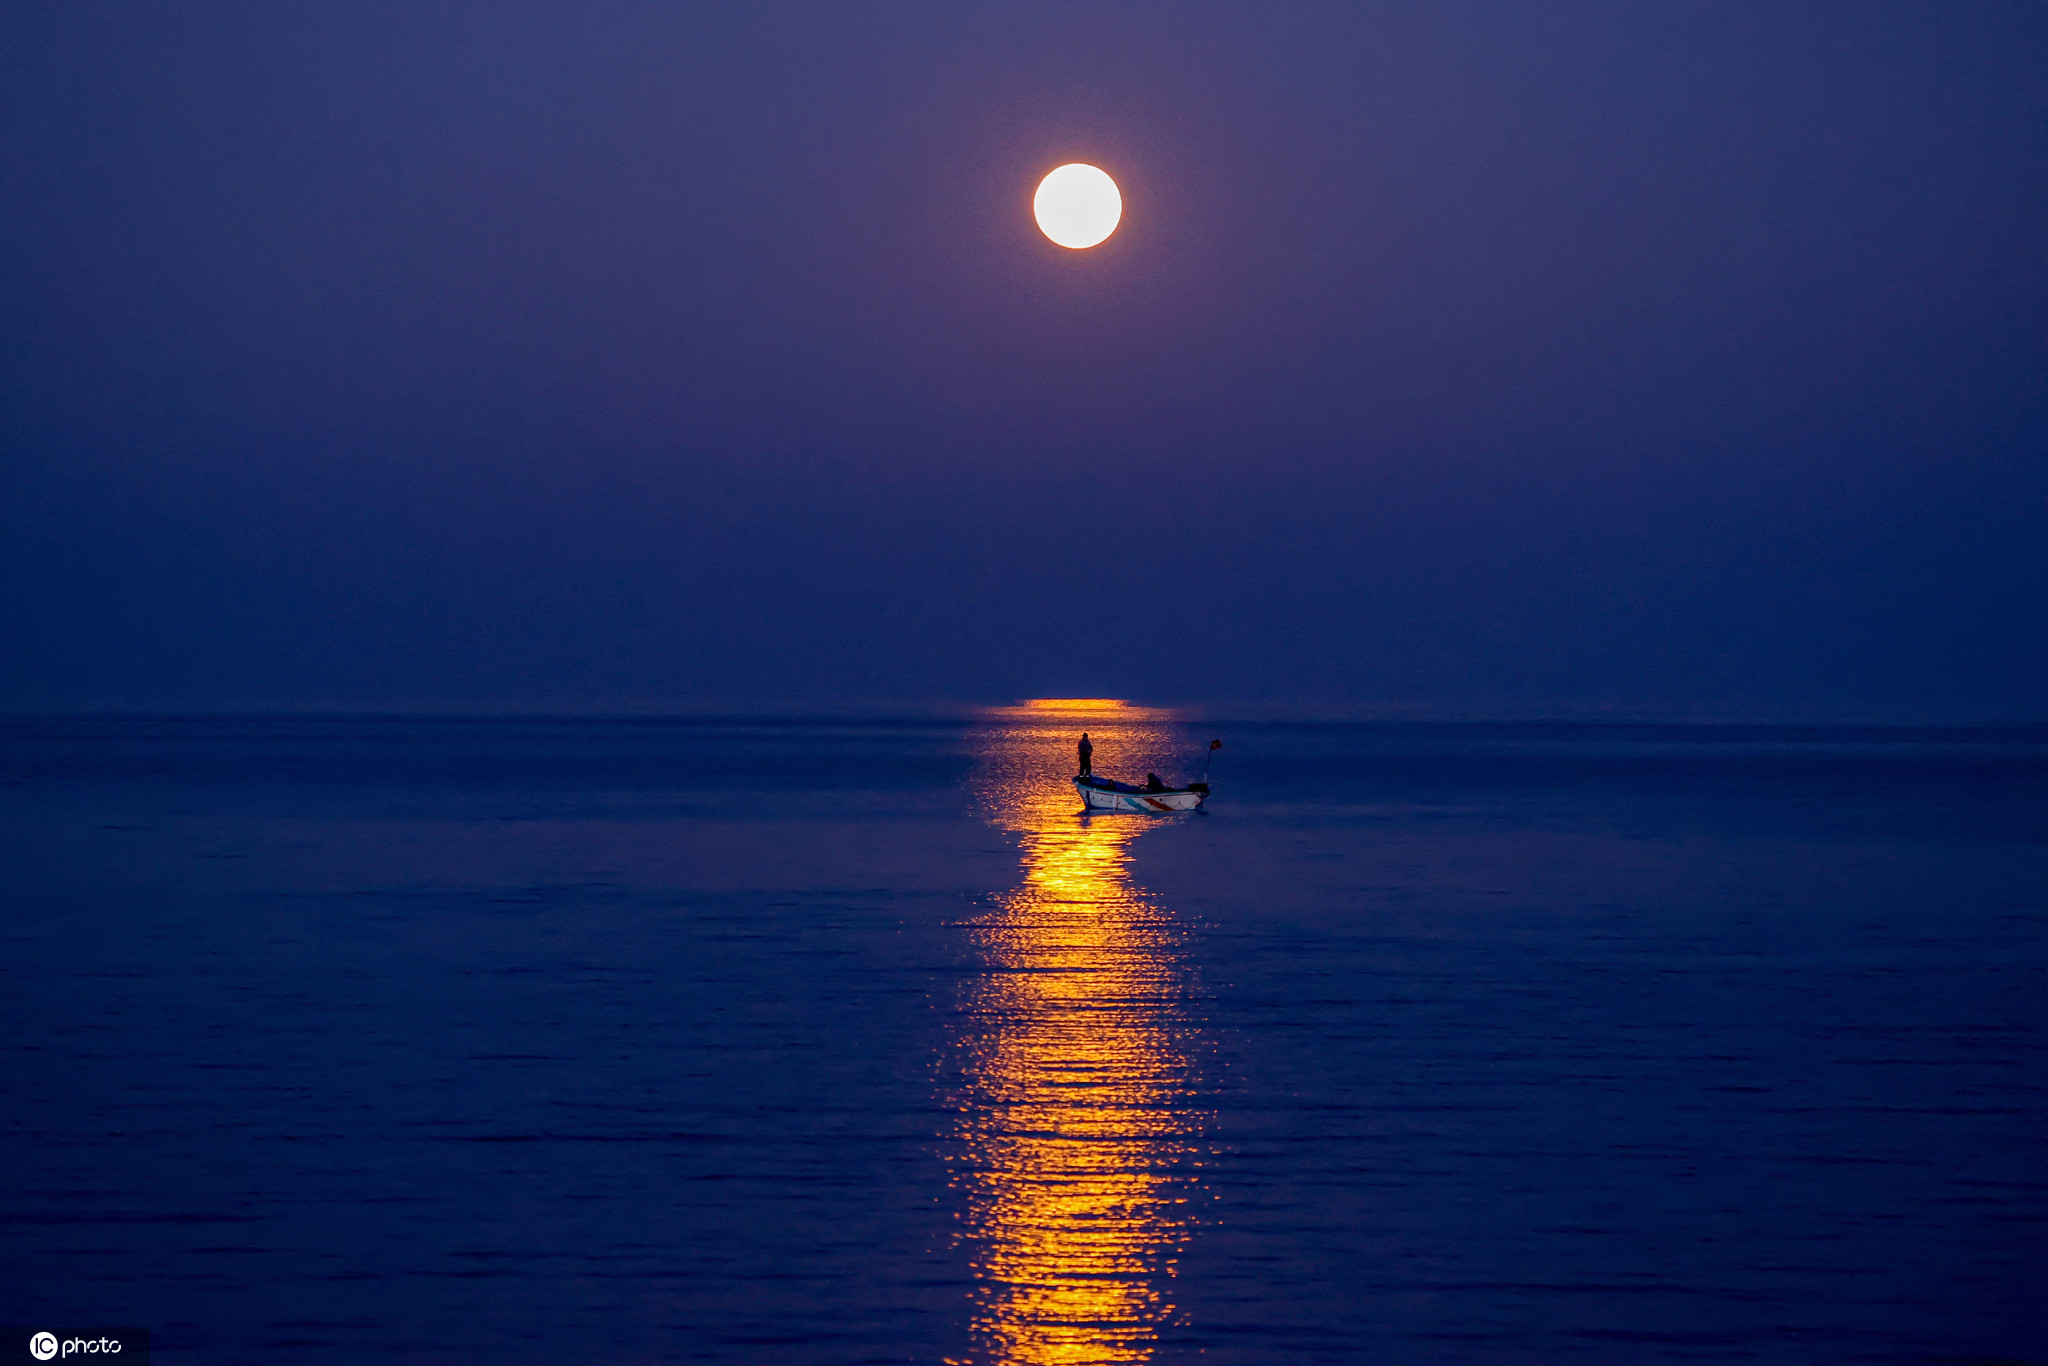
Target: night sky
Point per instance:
(1451, 359)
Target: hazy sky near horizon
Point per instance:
(1451, 358)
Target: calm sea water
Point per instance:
(649, 1041)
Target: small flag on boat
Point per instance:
(1215, 744)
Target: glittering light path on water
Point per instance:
(1077, 1115)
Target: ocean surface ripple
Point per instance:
(849, 1040)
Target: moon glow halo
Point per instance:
(1078, 206)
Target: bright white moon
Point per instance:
(1078, 205)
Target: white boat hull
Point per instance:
(1144, 803)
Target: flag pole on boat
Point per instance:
(1214, 745)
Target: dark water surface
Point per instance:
(640, 1041)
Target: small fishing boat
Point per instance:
(1107, 794)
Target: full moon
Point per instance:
(1077, 205)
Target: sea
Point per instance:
(439, 1039)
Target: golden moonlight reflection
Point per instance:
(1076, 1104)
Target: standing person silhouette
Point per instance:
(1087, 752)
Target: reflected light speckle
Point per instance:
(1079, 704)
(1077, 1124)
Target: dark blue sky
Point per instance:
(1453, 359)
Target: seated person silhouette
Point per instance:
(1152, 783)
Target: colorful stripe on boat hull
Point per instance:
(1145, 803)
